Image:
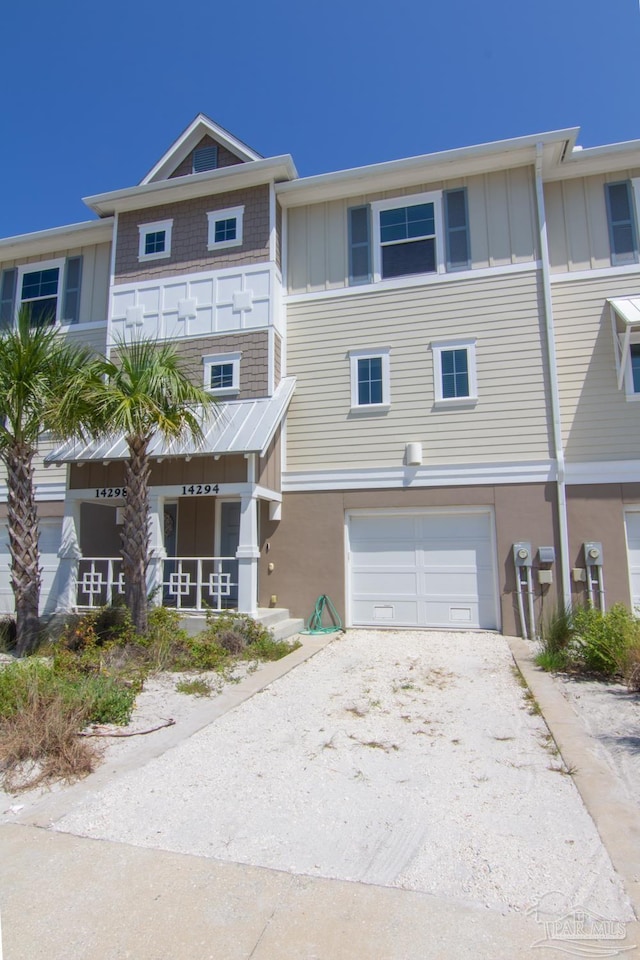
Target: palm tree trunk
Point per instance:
(23, 545)
(135, 531)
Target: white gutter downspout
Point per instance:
(553, 382)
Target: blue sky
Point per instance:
(95, 92)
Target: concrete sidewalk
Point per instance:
(67, 898)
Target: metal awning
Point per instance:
(237, 426)
(625, 321)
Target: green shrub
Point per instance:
(603, 639)
(240, 623)
(553, 661)
(267, 648)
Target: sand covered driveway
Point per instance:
(411, 759)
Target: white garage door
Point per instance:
(50, 539)
(429, 569)
(633, 548)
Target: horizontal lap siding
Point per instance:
(501, 228)
(598, 422)
(509, 421)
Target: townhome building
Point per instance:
(426, 372)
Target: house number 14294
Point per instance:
(200, 489)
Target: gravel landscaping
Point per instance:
(411, 759)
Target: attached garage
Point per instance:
(50, 540)
(632, 518)
(422, 569)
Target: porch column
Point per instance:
(248, 554)
(69, 555)
(157, 552)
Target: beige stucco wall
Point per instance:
(307, 547)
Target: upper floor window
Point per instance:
(634, 360)
(155, 240)
(225, 228)
(622, 226)
(370, 376)
(204, 158)
(408, 236)
(454, 371)
(222, 373)
(49, 289)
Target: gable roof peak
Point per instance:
(200, 127)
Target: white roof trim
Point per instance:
(56, 238)
(187, 140)
(628, 309)
(239, 426)
(210, 182)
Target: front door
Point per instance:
(228, 547)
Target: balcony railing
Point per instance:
(188, 583)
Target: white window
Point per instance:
(370, 379)
(454, 372)
(155, 240)
(222, 373)
(632, 369)
(407, 236)
(39, 287)
(225, 228)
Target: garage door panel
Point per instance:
(446, 565)
(397, 613)
(394, 583)
(633, 547)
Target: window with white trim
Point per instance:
(454, 371)
(222, 373)
(49, 288)
(154, 240)
(370, 379)
(225, 228)
(407, 236)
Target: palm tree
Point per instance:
(144, 392)
(42, 379)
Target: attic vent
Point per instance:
(205, 158)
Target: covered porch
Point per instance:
(204, 513)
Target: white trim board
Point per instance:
(419, 280)
(387, 478)
(597, 273)
(603, 471)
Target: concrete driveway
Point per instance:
(409, 763)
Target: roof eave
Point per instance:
(55, 238)
(447, 164)
(194, 185)
(189, 138)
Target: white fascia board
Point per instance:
(394, 478)
(448, 164)
(591, 161)
(602, 472)
(190, 137)
(57, 238)
(209, 183)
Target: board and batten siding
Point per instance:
(598, 422)
(502, 227)
(509, 421)
(94, 291)
(577, 222)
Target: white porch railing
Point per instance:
(188, 583)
